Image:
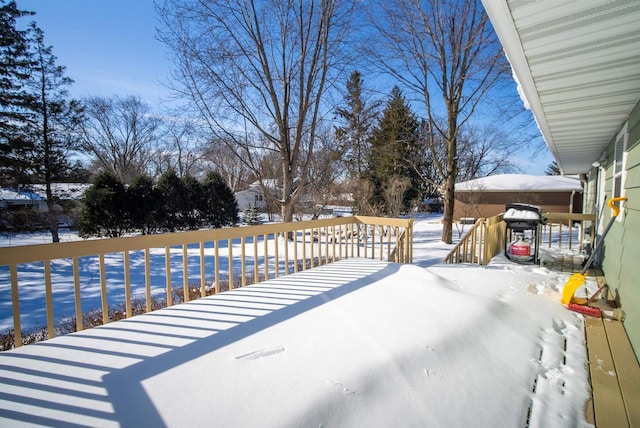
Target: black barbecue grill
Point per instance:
(524, 221)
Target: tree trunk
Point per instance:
(52, 214)
(449, 198)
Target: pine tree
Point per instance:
(353, 139)
(171, 187)
(359, 118)
(54, 118)
(250, 215)
(192, 210)
(105, 207)
(220, 202)
(393, 143)
(143, 204)
(15, 65)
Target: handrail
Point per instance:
(465, 250)
(486, 238)
(308, 244)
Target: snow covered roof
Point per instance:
(37, 192)
(521, 183)
(12, 195)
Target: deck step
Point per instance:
(615, 375)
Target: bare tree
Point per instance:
(446, 52)
(257, 73)
(231, 167)
(182, 149)
(325, 170)
(485, 151)
(120, 132)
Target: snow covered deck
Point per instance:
(353, 343)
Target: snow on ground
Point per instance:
(354, 343)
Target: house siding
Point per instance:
(622, 245)
(487, 203)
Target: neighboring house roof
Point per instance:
(521, 183)
(12, 195)
(577, 65)
(36, 192)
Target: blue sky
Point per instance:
(108, 46)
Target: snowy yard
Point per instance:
(350, 344)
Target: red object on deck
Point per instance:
(586, 310)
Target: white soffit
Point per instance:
(578, 64)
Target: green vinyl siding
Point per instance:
(622, 246)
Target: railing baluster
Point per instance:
(230, 259)
(333, 243)
(304, 249)
(216, 264)
(326, 247)
(147, 280)
(167, 266)
(185, 273)
(312, 239)
(203, 276)
(295, 251)
(276, 254)
(51, 331)
(243, 265)
(256, 277)
(266, 257)
(570, 234)
(103, 289)
(76, 292)
(285, 235)
(15, 302)
(127, 286)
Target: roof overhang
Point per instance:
(578, 67)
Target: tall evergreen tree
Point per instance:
(359, 118)
(393, 143)
(193, 203)
(173, 192)
(105, 207)
(221, 207)
(54, 118)
(15, 65)
(144, 203)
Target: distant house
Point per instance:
(11, 199)
(35, 197)
(487, 196)
(21, 207)
(253, 196)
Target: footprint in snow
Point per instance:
(432, 373)
(345, 390)
(260, 353)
